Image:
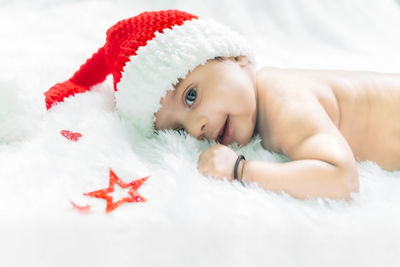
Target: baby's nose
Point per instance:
(198, 128)
(203, 135)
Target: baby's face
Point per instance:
(216, 101)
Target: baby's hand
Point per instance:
(217, 161)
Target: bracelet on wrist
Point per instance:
(235, 169)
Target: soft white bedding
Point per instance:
(188, 219)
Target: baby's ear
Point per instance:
(243, 61)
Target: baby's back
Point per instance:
(364, 106)
(369, 108)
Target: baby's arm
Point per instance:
(322, 163)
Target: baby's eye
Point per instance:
(191, 96)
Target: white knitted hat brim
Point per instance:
(171, 55)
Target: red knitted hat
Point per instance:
(146, 55)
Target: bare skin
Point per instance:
(323, 121)
(363, 106)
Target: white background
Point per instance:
(188, 219)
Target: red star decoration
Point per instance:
(134, 195)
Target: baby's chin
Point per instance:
(245, 141)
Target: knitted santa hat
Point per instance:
(146, 55)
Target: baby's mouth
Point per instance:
(222, 132)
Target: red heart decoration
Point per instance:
(70, 135)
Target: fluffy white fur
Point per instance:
(188, 219)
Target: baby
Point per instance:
(172, 70)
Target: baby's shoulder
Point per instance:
(277, 87)
(285, 97)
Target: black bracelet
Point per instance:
(235, 169)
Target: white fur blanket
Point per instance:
(188, 219)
